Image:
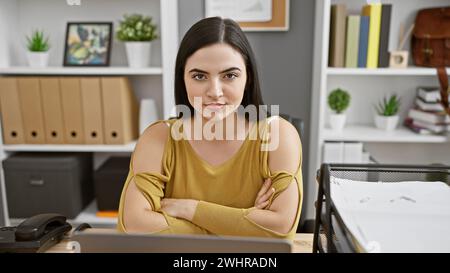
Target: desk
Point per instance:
(302, 243)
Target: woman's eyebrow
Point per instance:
(224, 71)
(229, 69)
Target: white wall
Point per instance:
(8, 24)
(32, 16)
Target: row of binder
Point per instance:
(68, 110)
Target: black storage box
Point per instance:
(48, 183)
(109, 180)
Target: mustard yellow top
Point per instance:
(226, 192)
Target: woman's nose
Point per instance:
(215, 89)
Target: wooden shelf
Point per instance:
(368, 133)
(55, 70)
(410, 71)
(69, 148)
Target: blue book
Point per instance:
(363, 41)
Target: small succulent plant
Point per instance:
(339, 100)
(37, 42)
(388, 106)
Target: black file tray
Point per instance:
(330, 233)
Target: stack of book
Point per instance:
(360, 40)
(428, 115)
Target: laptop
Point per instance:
(90, 241)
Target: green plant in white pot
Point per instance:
(338, 100)
(387, 117)
(137, 31)
(38, 49)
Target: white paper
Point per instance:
(241, 11)
(395, 216)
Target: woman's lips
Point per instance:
(214, 106)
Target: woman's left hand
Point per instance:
(179, 208)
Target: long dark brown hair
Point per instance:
(210, 31)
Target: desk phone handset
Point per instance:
(36, 234)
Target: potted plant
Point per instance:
(38, 47)
(387, 110)
(338, 100)
(137, 31)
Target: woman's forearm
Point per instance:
(156, 222)
(147, 221)
(225, 220)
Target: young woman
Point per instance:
(227, 184)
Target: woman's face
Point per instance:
(215, 78)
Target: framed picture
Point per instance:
(252, 15)
(88, 44)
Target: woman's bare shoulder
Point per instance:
(287, 149)
(150, 147)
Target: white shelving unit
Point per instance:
(126, 148)
(123, 71)
(368, 133)
(367, 87)
(19, 17)
(410, 71)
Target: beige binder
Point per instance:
(72, 110)
(91, 95)
(31, 107)
(12, 123)
(120, 110)
(52, 109)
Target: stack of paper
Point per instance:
(408, 216)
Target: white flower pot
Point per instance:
(37, 59)
(138, 54)
(337, 121)
(387, 123)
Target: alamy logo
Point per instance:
(226, 122)
(73, 2)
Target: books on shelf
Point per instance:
(383, 51)
(435, 128)
(430, 117)
(429, 106)
(360, 40)
(363, 41)
(416, 129)
(337, 35)
(429, 94)
(374, 12)
(351, 48)
(427, 122)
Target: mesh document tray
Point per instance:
(330, 232)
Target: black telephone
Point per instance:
(36, 234)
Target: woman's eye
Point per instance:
(198, 77)
(231, 76)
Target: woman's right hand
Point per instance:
(262, 199)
